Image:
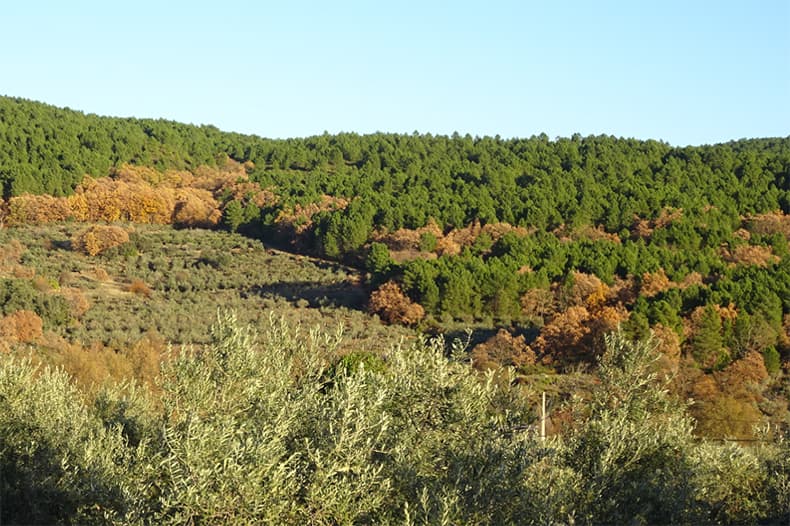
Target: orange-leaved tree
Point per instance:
(393, 306)
(99, 238)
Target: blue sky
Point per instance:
(686, 72)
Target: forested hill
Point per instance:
(407, 179)
(552, 242)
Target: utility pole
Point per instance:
(543, 418)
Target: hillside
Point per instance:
(543, 246)
(246, 330)
(115, 314)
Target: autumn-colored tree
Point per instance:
(749, 370)
(135, 174)
(21, 326)
(691, 279)
(97, 200)
(37, 209)
(566, 335)
(769, 223)
(742, 234)
(586, 289)
(226, 173)
(129, 199)
(465, 237)
(393, 306)
(144, 204)
(643, 228)
(596, 233)
(407, 239)
(654, 283)
(668, 344)
(99, 238)
(757, 255)
(732, 411)
(502, 349)
(537, 303)
(577, 333)
(603, 321)
(249, 192)
(195, 208)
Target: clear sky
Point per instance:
(683, 71)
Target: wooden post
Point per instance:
(543, 418)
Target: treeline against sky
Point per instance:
(404, 180)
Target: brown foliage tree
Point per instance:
(726, 403)
(196, 208)
(654, 283)
(566, 335)
(37, 209)
(577, 333)
(99, 238)
(644, 229)
(537, 303)
(393, 306)
(749, 370)
(135, 174)
(668, 344)
(769, 223)
(502, 349)
(757, 255)
(131, 199)
(21, 326)
(587, 290)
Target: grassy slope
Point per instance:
(191, 275)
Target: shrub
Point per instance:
(139, 287)
(19, 294)
(632, 451)
(60, 463)
(254, 430)
(99, 238)
(100, 274)
(78, 303)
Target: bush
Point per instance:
(632, 454)
(19, 294)
(60, 463)
(99, 238)
(255, 431)
(139, 287)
